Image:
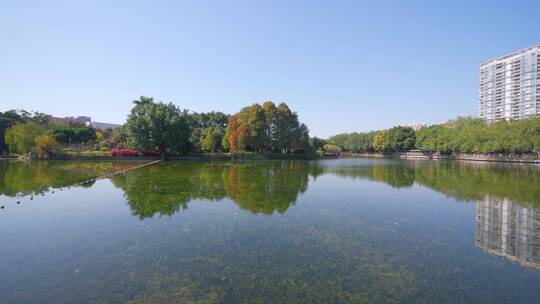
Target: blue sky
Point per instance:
(343, 66)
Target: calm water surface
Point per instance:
(333, 231)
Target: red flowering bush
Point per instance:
(124, 152)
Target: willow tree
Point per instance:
(20, 137)
(209, 142)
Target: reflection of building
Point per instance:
(509, 230)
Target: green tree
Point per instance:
(317, 143)
(199, 122)
(399, 139)
(67, 133)
(20, 137)
(354, 142)
(8, 119)
(208, 142)
(285, 129)
(158, 125)
(270, 113)
(252, 120)
(120, 137)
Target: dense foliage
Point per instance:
(399, 139)
(354, 142)
(208, 130)
(45, 145)
(462, 135)
(158, 125)
(24, 132)
(67, 133)
(266, 128)
(396, 139)
(20, 137)
(164, 127)
(472, 135)
(12, 117)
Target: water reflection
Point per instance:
(271, 186)
(509, 230)
(265, 187)
(464, 181)
(29, 178)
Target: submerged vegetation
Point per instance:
(29, 178)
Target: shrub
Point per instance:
(45, 146)
(93, 154)
(124, 152)
(332, 149)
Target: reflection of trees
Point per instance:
(272, 186)
(260, 187)
(268, 186)
(20, 178)
(394, 174)
(474, 181)
(461, 180)
(166, 188)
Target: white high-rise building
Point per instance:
(510, 86)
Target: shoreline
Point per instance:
(498, 158)
(187, 158)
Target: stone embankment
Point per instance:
(488, 157)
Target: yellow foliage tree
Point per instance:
(45, 146)
(378, 142)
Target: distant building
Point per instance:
(86, 121)
(79, 119)
(510, 86)
(509, 230)
(104, 125)
(416, 126)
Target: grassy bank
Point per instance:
(106, 155)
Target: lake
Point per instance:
(328, 231)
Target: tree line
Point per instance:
(22, 132)
(155, 125)
(395, 139)
(266, 128)
(462, 135)
(255, 128)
